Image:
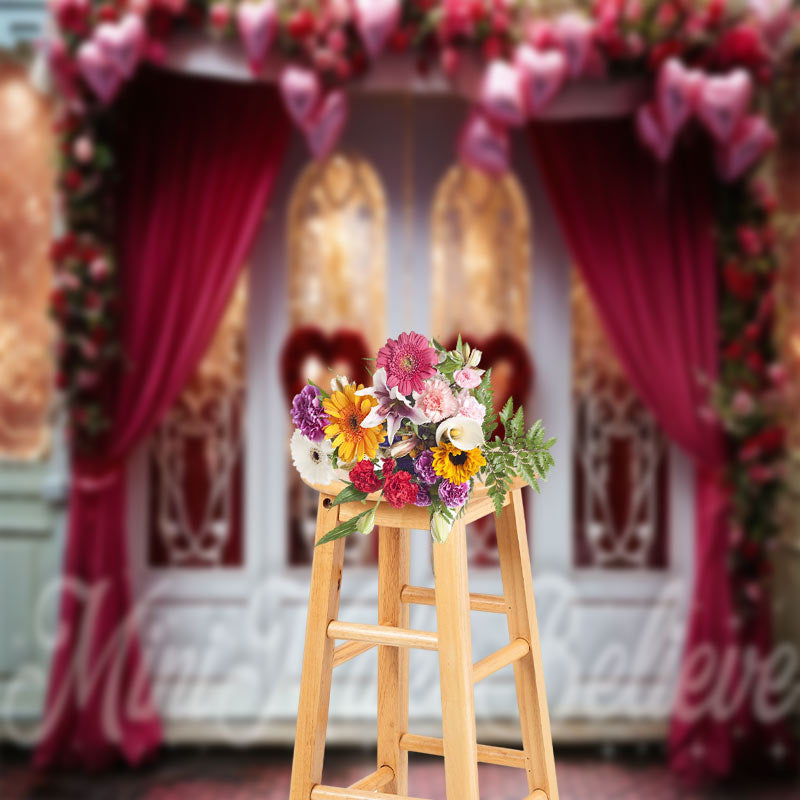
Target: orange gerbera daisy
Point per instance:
(347, 411)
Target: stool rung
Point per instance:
(320, 792)
(421, 596)
(344, 652)
(518, 649)
(487, 754)
(537, 795)
(376, 781)
(383, 634)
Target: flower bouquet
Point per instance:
(422, 434)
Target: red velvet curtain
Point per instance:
(642, 236)
(199, 159)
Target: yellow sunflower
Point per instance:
(346, 412)
(457, 466)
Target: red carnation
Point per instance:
(364, 478)
(400, 490)
(388, 466)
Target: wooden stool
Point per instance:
(452, 640)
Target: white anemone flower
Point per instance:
(312, 459)
(461, 431)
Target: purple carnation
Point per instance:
(453, 495)
(423, 466)
(423, 498)
(308, 414)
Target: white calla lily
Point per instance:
(463, 432)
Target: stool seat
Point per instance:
(394, 638)
(479, 505)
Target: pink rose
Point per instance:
(83, 149)
(437, 400)
(469, 407)
(468, 378)
(742, 403)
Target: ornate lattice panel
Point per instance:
(26, 179)
(620, 456)
(337, 278)
(196, 464)
(481, 261)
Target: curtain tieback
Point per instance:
(93, 484)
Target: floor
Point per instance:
(216, 774)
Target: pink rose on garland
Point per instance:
(437, 401)
(408, 360)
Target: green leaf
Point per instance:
(344, 529)
(348, 495)
(508, 410)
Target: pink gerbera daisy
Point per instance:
(408, 360)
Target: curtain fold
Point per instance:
(199, 160)
(642, 236)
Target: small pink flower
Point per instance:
(468, 378)
(437, 400)
(469, 407)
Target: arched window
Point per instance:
(480, 282)
(337, 248)
(26, 336)
(481, 255)
(337, 306)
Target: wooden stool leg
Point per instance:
(515, 566)
(455, 666)
(393, 574)
(315, 684)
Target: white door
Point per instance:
(225, 637)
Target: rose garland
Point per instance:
(710, 61)
(752, 384)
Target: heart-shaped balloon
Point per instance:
(301, 91)
(575, 34)
(257, 24)
(501, 95)
(309, 349)
(542, 74)
(98, 71)
(484, 144)
(722, 102)
(773, 16)
(327, 123)
(376, 20)
(653, 133)
(751, 140)
(676, 93)
(122, 42)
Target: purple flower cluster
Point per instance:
(423, 466)
(423, 498)
(308, 414)
(453, 495)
